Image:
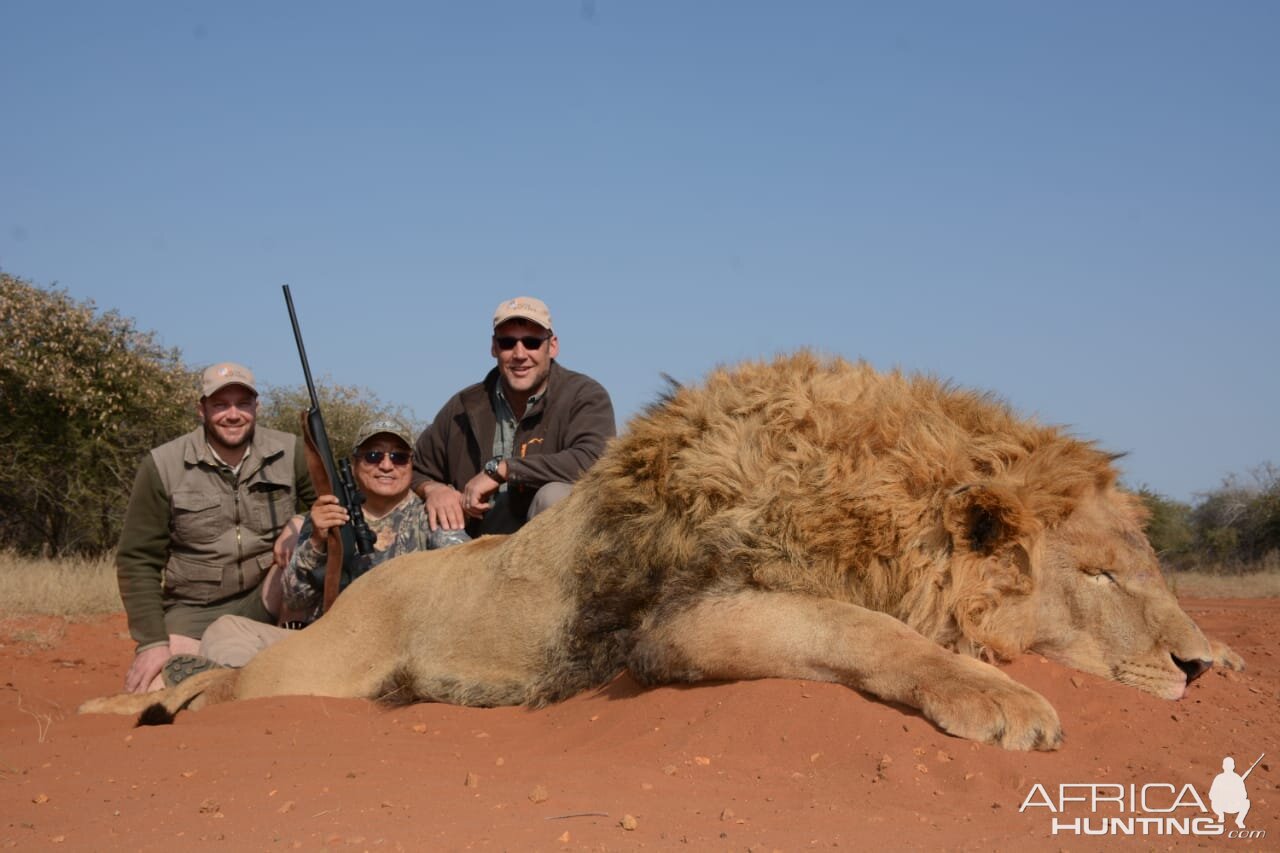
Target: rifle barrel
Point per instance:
(302, 350)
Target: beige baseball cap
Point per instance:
(523, 308)
(225, 373)
(384, 423)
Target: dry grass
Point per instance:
(34, 632)
(71, 587)
(1260, 579)
(1209, 584)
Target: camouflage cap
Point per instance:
(381, 424)
(523, 308)
(218, 376)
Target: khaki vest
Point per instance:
(222, 527)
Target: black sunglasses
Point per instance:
(531, 343)
(374, 457)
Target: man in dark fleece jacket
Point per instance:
(504, 449)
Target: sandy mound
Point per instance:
(769, 765)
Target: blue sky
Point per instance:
(1075, 205)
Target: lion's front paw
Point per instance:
(1225, 657)
(979, 702)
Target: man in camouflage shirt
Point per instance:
(395, 515)
(400, 530)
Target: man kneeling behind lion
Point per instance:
(803, 518)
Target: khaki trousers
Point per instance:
(233, 640)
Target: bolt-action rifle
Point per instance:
(332, 477)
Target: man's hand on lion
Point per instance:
(144, 669)
(326, 515)
(444, 507)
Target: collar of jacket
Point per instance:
(265, 448)
(481, 397)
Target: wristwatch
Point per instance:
(491, 469)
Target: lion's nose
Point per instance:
(1194, 668)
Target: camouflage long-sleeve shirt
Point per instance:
(400, 531)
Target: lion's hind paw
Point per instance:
(1225, 656)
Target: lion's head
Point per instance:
(1084, 589)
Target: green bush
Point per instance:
(83, 395)
(1233, 528)
(1169, 526)
(1240, 521)
(344, 407)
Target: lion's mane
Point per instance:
(825, 477)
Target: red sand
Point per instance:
(768, 765)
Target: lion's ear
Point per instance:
(983, 518)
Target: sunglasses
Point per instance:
(531, 343)
(374, 457)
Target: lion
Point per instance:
(805, 517)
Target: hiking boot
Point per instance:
(181, 667)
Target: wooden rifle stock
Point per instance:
(336, 551)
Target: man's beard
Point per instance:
(211, 436)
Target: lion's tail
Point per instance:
(158, 709)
